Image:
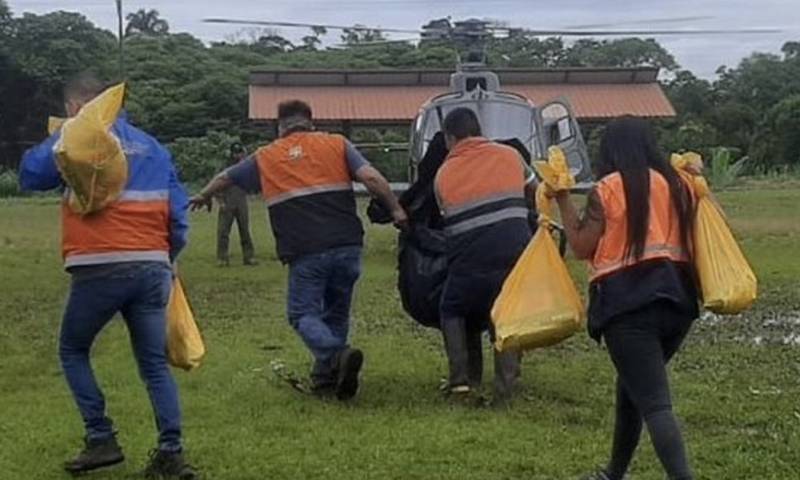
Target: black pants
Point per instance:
(465, 314)
(640, 344)
(241, 215)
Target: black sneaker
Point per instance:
(169, 465)
(96, 454)
(350, 362)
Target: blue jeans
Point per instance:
(139, 291)
(320, 294)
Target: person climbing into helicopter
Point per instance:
(481, 192)
(306, 178)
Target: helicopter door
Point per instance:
(559, 128)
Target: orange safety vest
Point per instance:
(135, 227)
(307, 185)
(663, 235)
(480, 183)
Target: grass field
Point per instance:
(736, 384)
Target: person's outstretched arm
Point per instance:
(244, 175)
(205, 198)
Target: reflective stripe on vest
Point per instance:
(663, 236)
(302, 192)
(480, 183)
(116, 257)
(135, 227)
(486, 219)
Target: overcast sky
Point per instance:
(700, 54)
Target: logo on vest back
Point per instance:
(295, 153)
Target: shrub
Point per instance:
(198, 159)
(9, 184)
(722, 172)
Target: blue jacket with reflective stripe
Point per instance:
(150, 169)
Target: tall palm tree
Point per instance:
(146, 22)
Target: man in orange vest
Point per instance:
(481, 191)
(119, 259)
(306, 178)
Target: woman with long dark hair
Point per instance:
(636, 233)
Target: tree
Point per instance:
(360, 34)
(626, 52)
(778, 139)
(761, 80)
(526, 51)
(197, 159)
(37, 54)
(313, 41)
(273, 43)
(319, 30)
(5, 12)
(791, 50)
(690, 95)
(146, 22)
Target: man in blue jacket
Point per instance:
(120, 260)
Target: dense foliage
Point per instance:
(182, 89)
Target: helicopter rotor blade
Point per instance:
(651, 21)
(375, 43)
(266, 23)
(646, 32)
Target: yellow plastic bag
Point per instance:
(539, 305)
(727, 281)
(185, 347)
(89, 156)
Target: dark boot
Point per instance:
(454, 332)
(506, 373)
(475, 358)
(169, 465)
(96, 454)
(349, 367)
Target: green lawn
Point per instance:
(736, 385)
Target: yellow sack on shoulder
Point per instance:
(727, 281)
(185, 347)
(89, 157)
(538, 305)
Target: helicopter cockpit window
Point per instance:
(500, 120)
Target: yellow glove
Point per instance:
(555, 172)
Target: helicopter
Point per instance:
(503, 115)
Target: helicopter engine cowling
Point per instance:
(466, 81)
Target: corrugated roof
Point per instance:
(401, 104)
(507, 76)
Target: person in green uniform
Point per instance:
(233, 207)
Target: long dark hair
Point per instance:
(629, 147)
